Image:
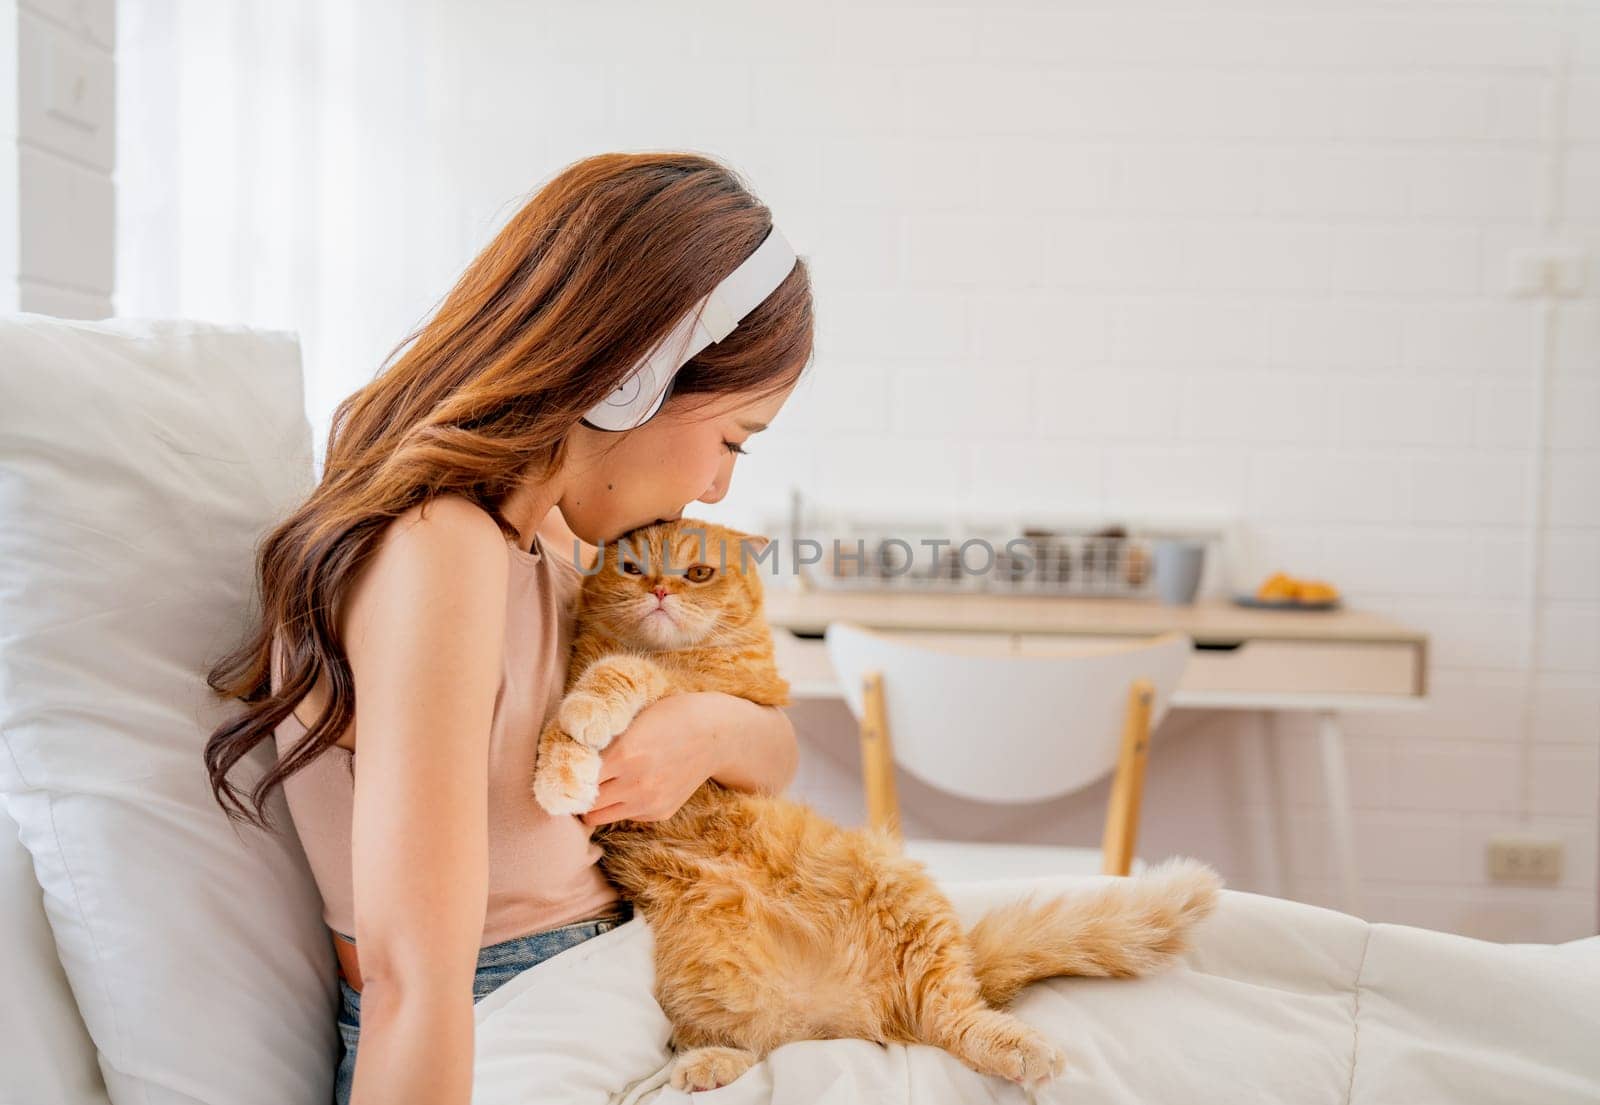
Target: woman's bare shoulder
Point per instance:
(445, 555)
(442, 569)
(450, 514)
(439, 548)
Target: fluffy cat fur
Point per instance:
(772, 923)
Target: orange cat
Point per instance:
(772, 923)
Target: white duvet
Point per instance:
(1276, 1002)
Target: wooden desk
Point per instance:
(1258, 660)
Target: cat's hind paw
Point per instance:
(1001, 1045)
(566, 778)
(707, 1068)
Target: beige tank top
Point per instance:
(542, 869)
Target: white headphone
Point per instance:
(637, 399)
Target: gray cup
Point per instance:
(1178, 565)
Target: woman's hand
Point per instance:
(659, 760)
(678, 742)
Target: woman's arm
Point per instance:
(754, 746)
(425, 640)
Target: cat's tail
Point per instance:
(1128, 927)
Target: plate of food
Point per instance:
(1281, 591)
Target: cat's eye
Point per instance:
(699, 573)
(631, 569)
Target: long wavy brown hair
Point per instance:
(543, 324)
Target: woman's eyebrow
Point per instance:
(752, 427)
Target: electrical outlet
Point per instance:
(1524, 859)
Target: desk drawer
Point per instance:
(1266, 666)
(1309, 667)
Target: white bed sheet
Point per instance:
(1276, 1002)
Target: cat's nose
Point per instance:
(659, 592)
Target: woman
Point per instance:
(427, 578)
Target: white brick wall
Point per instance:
(1244, 260)
(1246, 256)
(1248, 259)
(60, 154)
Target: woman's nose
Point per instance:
(719, 486)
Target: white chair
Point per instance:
(1007, 728)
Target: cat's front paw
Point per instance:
(591, 720)
(566, 778)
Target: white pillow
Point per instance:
(49, 1058)
(140, 463)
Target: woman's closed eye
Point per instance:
(736, 447)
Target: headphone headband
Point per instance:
(641, 394)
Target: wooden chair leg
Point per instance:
(877, 758)
(1127, 786)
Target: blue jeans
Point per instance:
(498, 964)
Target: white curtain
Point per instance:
(274, 170)
(330, 166)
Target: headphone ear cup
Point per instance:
(654, 409)
(631, 404)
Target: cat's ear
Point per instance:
(754, 542)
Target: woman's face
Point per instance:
(616, 482)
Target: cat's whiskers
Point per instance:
(743, 633)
